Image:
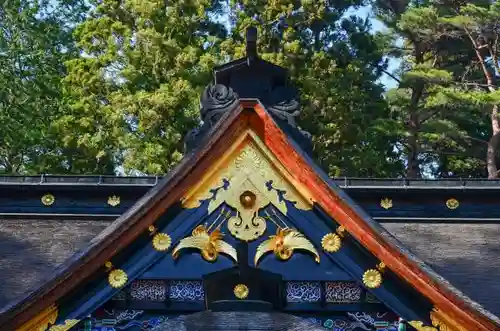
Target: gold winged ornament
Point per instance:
(210, 244)
(284, 243)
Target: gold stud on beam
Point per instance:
(341, 231)
(452, 203)
(386, 203)
(381, 267)
(108, 265)
(241, 291)
(48, 199)
(113, 200)
(152, 229)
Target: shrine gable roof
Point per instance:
(233, 113)
(333, 200)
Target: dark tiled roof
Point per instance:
(30, 250)
(243, 321)
(466, 255)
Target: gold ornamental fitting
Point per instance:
(241, 291)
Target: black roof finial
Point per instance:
(251, 43)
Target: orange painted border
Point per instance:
(144, 213)
(342, 212)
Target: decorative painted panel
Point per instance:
(150, 290)
(303, 291)
(186, 290)
(356, 321)
(126, 320)
(342, 292)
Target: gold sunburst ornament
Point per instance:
(241, 291)
(284, 243)
(452, 203)
(113, 200)
(331, 242)
(161, 242)
(48, 199)
(117, 278)
(372, 278)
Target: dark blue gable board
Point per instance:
(190, 264)
(134, 262)
(347, 264)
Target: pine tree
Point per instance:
(440, 111)
(35, 42)
(334, 61)
(134, 92)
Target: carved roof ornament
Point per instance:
(250, 78)
(251, 44)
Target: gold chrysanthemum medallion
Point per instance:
(331, 242)
(161, 242)
(117, 278)
(48, 199)
(241, 291)
(372, 278)
(452, 203)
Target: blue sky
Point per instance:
(364, 12)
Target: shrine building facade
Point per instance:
(248, 233)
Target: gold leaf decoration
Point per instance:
(242, 179)
(283, 245)
(210, 245)
(152, 229)
(161, 242)
(452, 203)
(386, 203)
(331, 242)
(68, 324)
(41, 321)
(241, 291)
(444, 322)
(117, 278)
(419, 326)
(113, 200)
(372, 278)
(48, 199)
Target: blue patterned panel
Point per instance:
(356, 321)
(342, 292)
(186, 290)
(303, 291)
(149, 290)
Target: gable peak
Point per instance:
(250, 78)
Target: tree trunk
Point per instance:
(491, 162)
(493, 144)
(413, 166)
